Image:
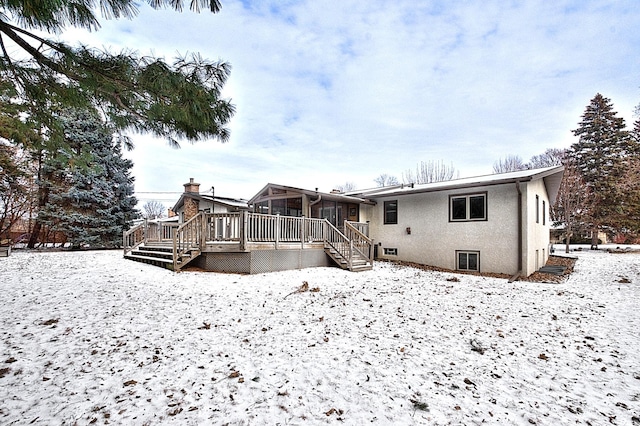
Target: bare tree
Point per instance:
(511, 163)
(429, 172)
(570, 207)
(16, 187)
(386, 180)
(346, 187)
(551, 157)
(153, 210)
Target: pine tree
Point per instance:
(629, 211)
(175, 100)
(598, 156)
(90, 201)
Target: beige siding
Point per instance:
(536, 238)
(434, 240)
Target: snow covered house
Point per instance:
(497, 223)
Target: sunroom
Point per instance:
(289, 201)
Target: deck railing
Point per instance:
(339, 242)
(133, 237)
(223, 226)
(262, 228)
(161, 231)
(362, 244)
(350, 244)
(363, 227)
(187, 238)
(245, 228)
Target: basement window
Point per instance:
(468, 260)
(390, 251)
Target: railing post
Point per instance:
(243, 230)
(350, 254)
(175, 251)
(203, 230)
(278, 221)
(303, 231)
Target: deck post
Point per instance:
(278, 221)
(243, 230)
(175, 251)
(203, 230)
(303, 232)
(350, 254)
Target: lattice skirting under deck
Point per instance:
(260, 261)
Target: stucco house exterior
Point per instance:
(496, 223)
(489, 224)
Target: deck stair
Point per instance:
(350, 249)
(159, 254)
(358, 262)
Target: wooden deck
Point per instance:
(174, 246)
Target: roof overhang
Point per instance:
(552, 177)
(283, 191)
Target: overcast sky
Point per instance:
(329, 92)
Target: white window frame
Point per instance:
(386, 206)
(388, 251)
(467, 198)
(468, 252)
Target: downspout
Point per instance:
(313, 203)
(517, 274)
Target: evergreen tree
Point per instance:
(181, 99)
(91, 203)
(599, 156)
(629, 211)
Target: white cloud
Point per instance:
(345, 91)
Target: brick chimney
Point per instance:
(191, 205)
(192, 187)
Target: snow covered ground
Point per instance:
(91, 338)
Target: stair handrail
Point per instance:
(134, 237)
(362, 244)
(187, 237)
(339, 242)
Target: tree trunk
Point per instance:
(594, 239)
(43, 199)
(567, 241)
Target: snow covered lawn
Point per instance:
(91, 338)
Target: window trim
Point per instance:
(467, 252)
(390, 251)
(385, 212)
(467, 197)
